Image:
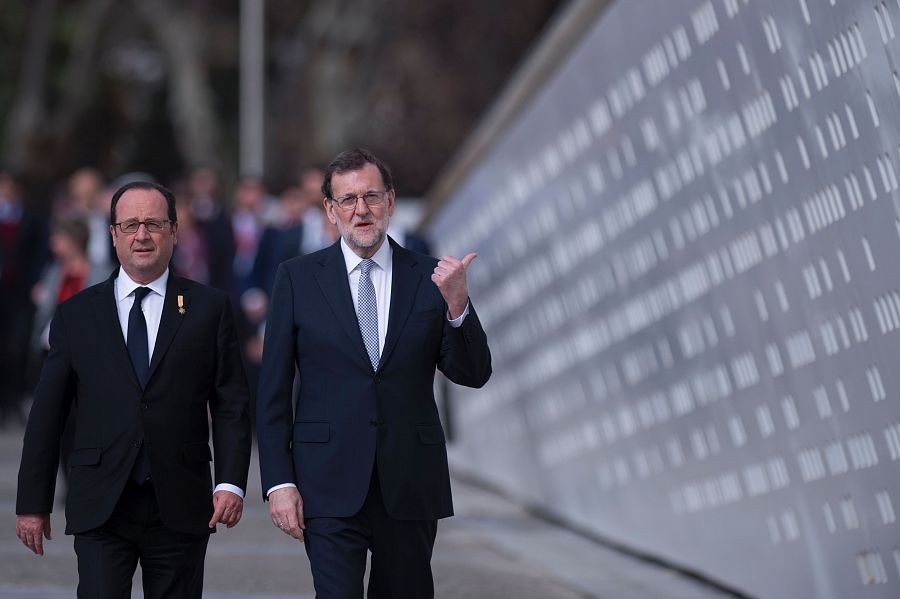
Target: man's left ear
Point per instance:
(174, 233)
(391, 203)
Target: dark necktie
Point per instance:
(138, 346)
(367, 311)
(139, 350)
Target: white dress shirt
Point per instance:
(152, 306)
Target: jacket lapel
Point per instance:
(335, 285)
(404, 286)
(170, 320)
(107, 314)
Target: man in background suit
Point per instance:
(140, 360)
(359, 464)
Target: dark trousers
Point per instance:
(401, 553)
(171, 562)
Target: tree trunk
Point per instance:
(28, 110)
(190, 99)
(80, 74)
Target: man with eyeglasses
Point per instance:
(141, 361)
(358, 464)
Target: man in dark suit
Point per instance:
(140, 361)
(359, 464)
(280, 242)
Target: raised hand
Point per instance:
(450, 277)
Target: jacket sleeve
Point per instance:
(230, 406)
(465, 357)
(274, 407)
(53, 399)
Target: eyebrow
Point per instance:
(359, 194)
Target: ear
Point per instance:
(391, 203)
(329, 211)
(112, 233)
(174, 233)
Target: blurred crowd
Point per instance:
(232, 241)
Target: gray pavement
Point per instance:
(491, 548)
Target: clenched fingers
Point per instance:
(450, 278)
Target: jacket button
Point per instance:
(137, 443)
(144, 405)
(373, 423)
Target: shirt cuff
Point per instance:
(281, 486)
(229, 487)
(457, 322)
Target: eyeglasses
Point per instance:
(130, 227)
(371, 198)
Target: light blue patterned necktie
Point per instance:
(367, 311)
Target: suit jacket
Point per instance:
(347, 415)
(195, 369)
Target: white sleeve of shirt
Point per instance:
(457, 322)
(281, 486)
(229, 487)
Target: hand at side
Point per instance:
(227, 509)
(286, 510)
(31, 530)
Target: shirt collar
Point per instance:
(125, 285)
(382, 257)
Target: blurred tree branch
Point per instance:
(83, 84)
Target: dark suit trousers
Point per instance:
(401, 553)
(171, 562)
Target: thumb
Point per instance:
(468, 259)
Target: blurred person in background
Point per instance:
(358, 463)
(89, 201)
(22, 256)
(413, 242)
(144, 362)
(406, 237)
(281, 241)
(191, 256)
(319, 231)
(69, 272)
(302, 229)
(253, 211)
(213, 221)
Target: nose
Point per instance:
(142, 232)
(361, 207)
